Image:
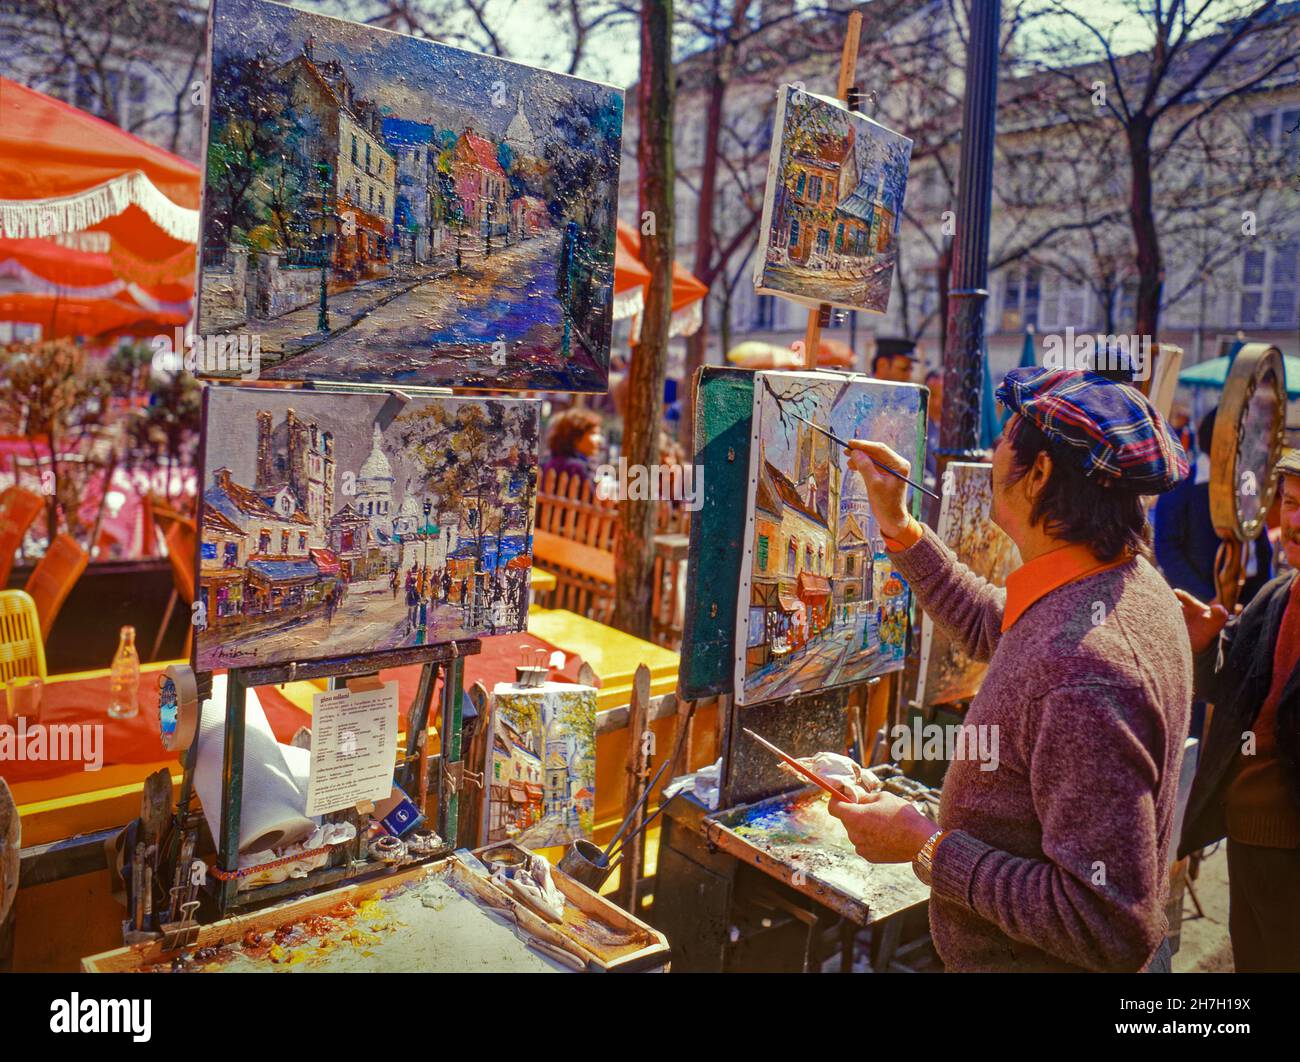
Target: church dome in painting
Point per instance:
(376, 466)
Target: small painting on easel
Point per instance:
(820, 604)
(833, 205)
(541, 768)
(336, 524)
(948, 673)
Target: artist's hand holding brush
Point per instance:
(884, 828)
(886, 493)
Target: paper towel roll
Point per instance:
(299, 763)
(272, 814)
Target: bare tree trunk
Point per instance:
(1146, 236)
(634, 540)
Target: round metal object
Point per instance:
(178, 707)
(1248, 434)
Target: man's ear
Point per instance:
(1038, 475)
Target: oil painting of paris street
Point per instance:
(386, 209)
(331, 526)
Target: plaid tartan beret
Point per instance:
(1119, 436)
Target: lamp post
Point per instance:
(428, 511)
(964, 347)
(489, 208)
(324, 225)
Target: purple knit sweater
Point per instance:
(1058, 859)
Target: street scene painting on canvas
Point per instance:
(336, 524)
(382, 208)
(541, 769)
(948, 673)
(833, 205)
(820, 603)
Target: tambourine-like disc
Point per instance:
(1248, 434)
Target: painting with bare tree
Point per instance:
(948, 673)
(833, 205)
(383, 208)
(334, 524)
(820, 603)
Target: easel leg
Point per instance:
(232, 790)
(448, 798)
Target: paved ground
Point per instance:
(1205, 947)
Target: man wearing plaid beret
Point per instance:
(1247, 784)
(1056, 857)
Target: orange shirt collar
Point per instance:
(1035, 580)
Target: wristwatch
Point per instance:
(923, 861)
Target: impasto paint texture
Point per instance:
(833, 205)
(820, 603)
(798, 832)
(948, 672)
(339, 524)
(541, 767)
(382, 208)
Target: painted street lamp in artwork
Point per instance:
(489, 208)
(428, 512)
(324, 226)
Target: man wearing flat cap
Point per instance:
(1057, 858)
(1247, 785)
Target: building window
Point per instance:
(815, 189)
(792, 557)
(302, 542)
(354, 150)
(823, 241)
(264, 541)
(794, 232)
(284, 542)
(800, 184)
(762, 553)
(231, 558)
(1021, 295)
(1269, 278)
(850, 565)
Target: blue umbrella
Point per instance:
(1214, 372)
(990, 426)
(1028, 355)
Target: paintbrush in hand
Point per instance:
(884, 468)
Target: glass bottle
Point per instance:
(124, 681)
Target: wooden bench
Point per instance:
(573, 536)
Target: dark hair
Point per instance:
(933, 374)
(877, 358)
(1105, 516)
(567, 428)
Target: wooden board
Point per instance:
(802, 726)
(650, 952)
(724, 401)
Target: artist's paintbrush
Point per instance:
(802, 770)
(884, 468)
(604, 858)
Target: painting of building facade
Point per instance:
(948, 674)
(820, 604)
(541, 765)
(833, 205)
(337, 524)
(369, 192)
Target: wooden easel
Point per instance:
(445, 660)
(846, 91)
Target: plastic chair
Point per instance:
(18, 511)
(22, 648)
(54, 577)
(180, 537)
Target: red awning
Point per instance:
(326, 560)
(813, 587)
(63, 170)
(534, 791)
(517, 794)
(788, 602)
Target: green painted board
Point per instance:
(724, 404)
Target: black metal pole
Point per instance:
(964, 348)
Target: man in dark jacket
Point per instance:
(1247, 785)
